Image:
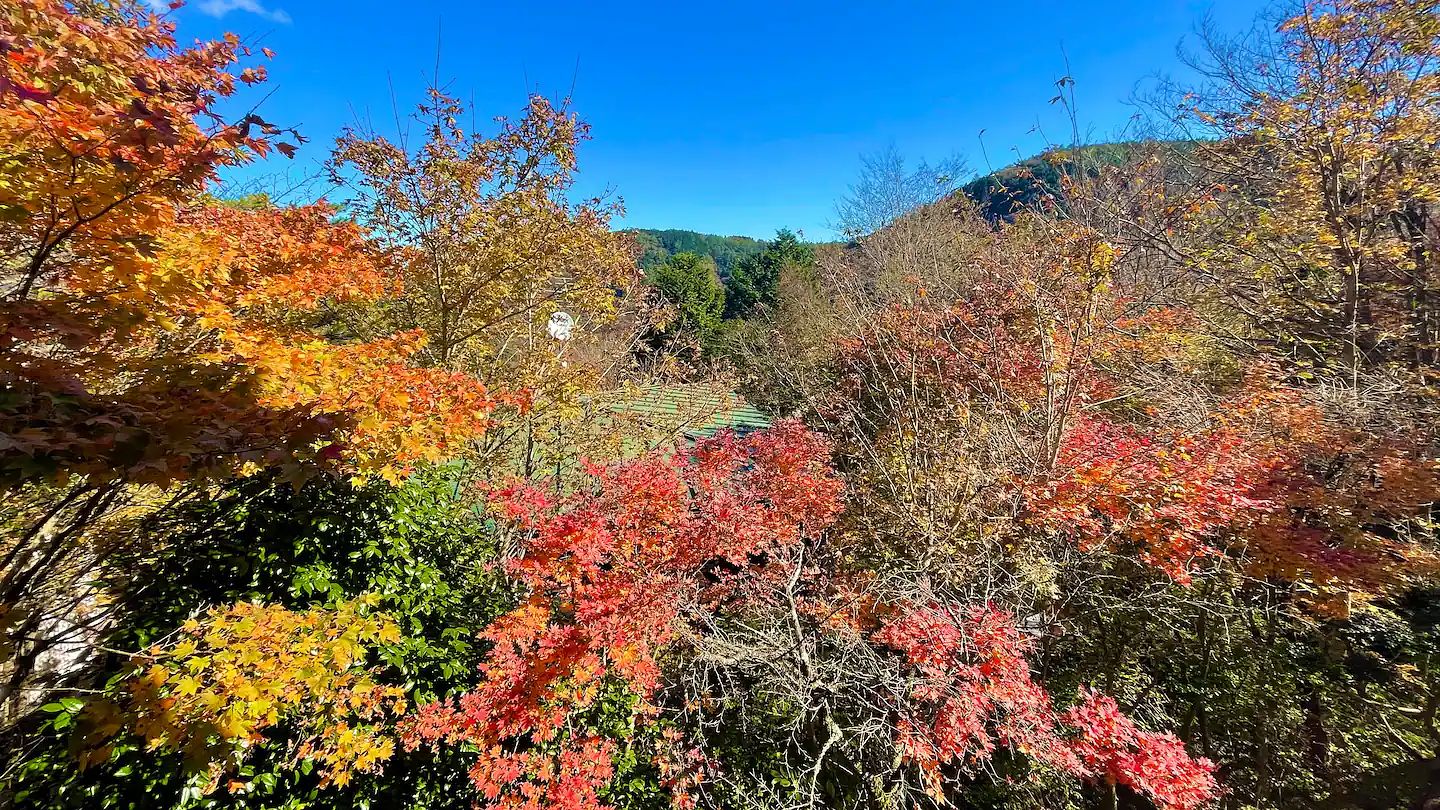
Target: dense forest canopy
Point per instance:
(1106, 481)
(726, 251)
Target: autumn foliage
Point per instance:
(613, 574)
(241, 670)
(153, 340)
(1125, 498)
(973, 692)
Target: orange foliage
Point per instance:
(150, 337)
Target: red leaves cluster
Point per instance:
(973, 692)
(1270, 479)
(611, 573)
(1110, 746)
(973, 689)
(1167, 493)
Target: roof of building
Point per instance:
(695, 410)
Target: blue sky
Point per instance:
(733, 118)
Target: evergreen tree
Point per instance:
(755, 280)
(692, 284)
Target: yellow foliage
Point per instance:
(246, 668)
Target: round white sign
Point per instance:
(560, 326)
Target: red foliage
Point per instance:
(974, 692)
(1110, 746)
(1164, 492)
(1268, 478)
(611, 573)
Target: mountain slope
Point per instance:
(1002, 194)
(727, 251)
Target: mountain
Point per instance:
(727, 251)
(1000, 195)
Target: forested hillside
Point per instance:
(439, 491)
(1038, 180)
(726, 251)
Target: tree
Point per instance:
(726, 251)
(1326, 182)
(154, 342)
(421, 552)
(886, 191)
(614, 576)
(489, 244)
(691, 284)
(755, 279)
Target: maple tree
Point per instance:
(974, 692)
(240, 670)
(108, 123)
(612, 573)
(154, 338)
(490, 246)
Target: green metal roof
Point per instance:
(696, 410)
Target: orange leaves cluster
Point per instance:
(612, 573)
(1351, 518)
(402, 414)
(152, 336)
(972, 691)
(275, 264)
(106, 123)
(240, 670)
(274, 259)
(223, 306)
(1165, 492)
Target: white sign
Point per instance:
(560, 326)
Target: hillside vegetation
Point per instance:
(1110, 484)
(726, 251)
(1039, 181)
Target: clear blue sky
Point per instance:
(736, 117)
